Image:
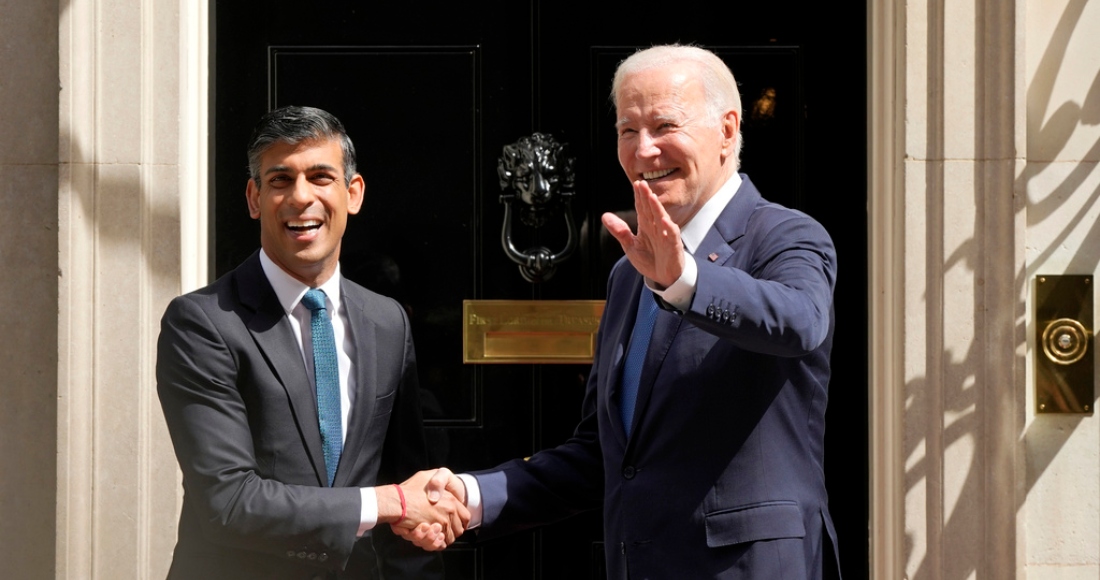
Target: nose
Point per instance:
(647, 145)
(301, 194)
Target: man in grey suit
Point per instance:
(287, 419)
(703, 422)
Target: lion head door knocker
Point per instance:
(540, 177)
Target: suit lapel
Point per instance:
(362, 331)
(275, 338)
(730, 225)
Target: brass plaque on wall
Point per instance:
(1063, 344)
(530, 331)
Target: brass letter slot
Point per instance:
(530, 331)
(1063, 335)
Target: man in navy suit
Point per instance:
(703, 437)
(264, 498)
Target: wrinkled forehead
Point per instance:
(658, 91)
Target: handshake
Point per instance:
(428, 509)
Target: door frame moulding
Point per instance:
(886, 271)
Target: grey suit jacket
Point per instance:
(722, 475)
(242, 415)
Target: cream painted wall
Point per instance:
(28, 290)
(1062, 184)
(994, 111)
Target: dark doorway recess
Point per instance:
(431, 91)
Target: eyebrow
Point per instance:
(284, 168)
(660, 118)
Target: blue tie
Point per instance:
(635, 354)
(326, 376)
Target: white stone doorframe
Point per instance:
(885, 114)
(946, 287)
(132, 234)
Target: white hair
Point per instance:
(719, 86)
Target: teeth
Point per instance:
(656, 174)
(303, 224)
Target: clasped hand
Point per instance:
(435, 509)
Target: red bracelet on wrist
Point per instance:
(400, 494)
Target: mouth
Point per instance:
(654, 175)
(303, 226)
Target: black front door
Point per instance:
(431, 91)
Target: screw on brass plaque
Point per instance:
(1064, 346)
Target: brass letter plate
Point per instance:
(1063, 344)
(530, 331)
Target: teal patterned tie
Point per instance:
(635, 355)
(326, 375)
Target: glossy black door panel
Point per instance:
(431, 91)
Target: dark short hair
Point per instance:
(294, 125)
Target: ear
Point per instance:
(356, 192)
(730, 126)
(252, 194)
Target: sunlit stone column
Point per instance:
(948, 288)
(129, 131)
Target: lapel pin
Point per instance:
(712, 257)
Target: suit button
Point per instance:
(322, 557)
(628, 472)
(301, 555)
(312, 556)
(290, 553)
(710, 310)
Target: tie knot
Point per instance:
(314, 299)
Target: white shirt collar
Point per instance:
(290, 291)
(693, 233)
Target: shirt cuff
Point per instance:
(368, 512)
(679, 293)
(473, 499)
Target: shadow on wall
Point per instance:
(956, 398)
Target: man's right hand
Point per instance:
(440, 486)
(656, 251)
(435, 510)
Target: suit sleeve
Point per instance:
(780, 301)
(197, 376)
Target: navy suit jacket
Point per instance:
(242, 415)
(722, 475)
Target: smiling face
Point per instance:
(303, 206)
(667, 138)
